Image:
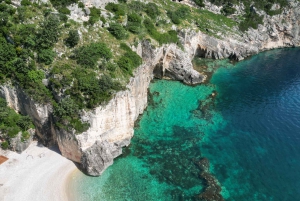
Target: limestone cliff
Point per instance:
(18, 100)
(277, 31)
(111, 125)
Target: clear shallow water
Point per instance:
(250, 133)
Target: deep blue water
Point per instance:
(249, 132)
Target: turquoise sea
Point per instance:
(243, 126)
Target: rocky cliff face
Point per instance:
(17, 99)
(112, 125)
(277, 31)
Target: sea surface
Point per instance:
(244, 123)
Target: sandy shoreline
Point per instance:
(37, 174)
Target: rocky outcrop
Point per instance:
(17, 99)
(111, 126)
(277, 31)
(177, 65)
(19, 144)
(212, 190)
(201, 45)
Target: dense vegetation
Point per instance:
(11, 124)
(251, 18)
(53, 61)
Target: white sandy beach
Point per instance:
(38, 174)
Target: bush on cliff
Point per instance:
(73, 38)
(94, 15)
(11, 122)
(66, 112)
(46, 56)
(117, 31)
(4, 145)
(49, 33)
(134, 23)
(129, 61)
(88, 56)
(117, 9)
(169, 37)
(252, 19)
(228, 9)
(199, 3)
(152, 10)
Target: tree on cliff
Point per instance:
(73, 38)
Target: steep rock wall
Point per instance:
(111, 126)
(17, 99)
(277, 31)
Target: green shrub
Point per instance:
(174, 18)
(25, 136)
(94, 15)
(199, 3)
(152, 10)
(251, 20)
(46, 56)
(66, 112)
(66, 108)
(117, 9)
(7, 53)
(134, 23)
(133, 17)
(169, 37)
(87, 56)
(89, 91)
(73, 38)
(137, 6)
(64, 3)
(182, 12)
(103, 19)
(25, 3)
(80, 5)
(111, 66)
(228, 9)
(117, 31)
(64, 10)
(24, 123)
(49, 33)
(13, 131)
(126, 65)
(129, 61)
(79, 126)
(35, 76)
(4, 145)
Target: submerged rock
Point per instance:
(212, 190)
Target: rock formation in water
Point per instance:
(111, 125)
(212, 190)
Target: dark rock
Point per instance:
(98, 157)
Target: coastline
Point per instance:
(39, 173)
